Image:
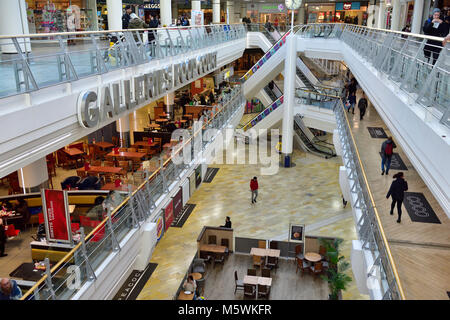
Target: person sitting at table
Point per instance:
(202, 100)
(190, 285)
(7, 206)
(22, 209)
(171, 127)
(9, 290)
(97, 211)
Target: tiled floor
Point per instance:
(307, 193)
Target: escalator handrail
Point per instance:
(274, 105)
(331, 151)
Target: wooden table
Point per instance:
(154, 125)
(313, 257)
(212, 248)
(145, 144)
(104, 144)
(73, 152)
(265, 252)
(254, 280)
(183, 296)
(101, 169)
(196, 275)
(161, 120)
(133, 155)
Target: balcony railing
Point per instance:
(79, 266)
(34, 61)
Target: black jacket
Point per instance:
(397, 189)
(2, 234)
(362, 104)
(125, 20)
(227, 224)
(440, 31)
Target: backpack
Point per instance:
(389, 148)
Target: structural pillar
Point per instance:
(416, 25)
(196, 5)
(165, 10)
(396, 8)
(301, 15)
(123, 127)
(92, 5)
(14, 22)
(289, 96)
(115, 13)
(230, 12)
(216, 11)
(34, 177)
(175, 10)
(382, 16)
(372, 18)
(169, 101)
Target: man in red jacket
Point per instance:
(254, 188)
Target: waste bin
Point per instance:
(287, 161)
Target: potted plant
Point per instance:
(336, 277)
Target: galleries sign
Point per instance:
(117, 98)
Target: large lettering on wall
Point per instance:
(118, 98)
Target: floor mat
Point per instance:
(134, 283)
(419, 209)
(210, 174)
(183, 216)
(397, 162)
(377, 132)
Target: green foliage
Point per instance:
(336, 277)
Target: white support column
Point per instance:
(123, 127)
(34, 176)
(92, 4)
(165, 11)
(115, 13)
(216, 11)
(196, 5)
(14, 22)
(289, 96)
(230, 12)
(243, 9)
(416, 25)
(301, 15)
(372, 16)
(396, 8)
(382, 16)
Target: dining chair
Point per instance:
(124, 165)
(109, 163)
(219, 257)
(265, 272)
(251, 272)
(323, 252)
(206, 256)
(249, 290)
(224, 242)
(302, 265)
(263, 291)
(262, 244)
(273, 245)
(212, 239)
(258, 261)
(96, 163)
(316, 268)
(271, 262)
(131, 149)
(299, 251)
(238, 284)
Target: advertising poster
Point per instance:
(186, 195)
(168, 215)
(192, 183)
(160, 227)
(56, 216)
(196, 18)
(177, 203)
(198, 176)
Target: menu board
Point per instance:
(177, 203)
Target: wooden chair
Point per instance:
(238, 284)
(249, 290)
(273, 245)
(108, 178)
(115, 141)
(131, 149)
(262, 244)
(302, 265)
(251, 272)
(271, 262)
(124, 165)
(212, 239)
(158, 145)
(263, 291)
(299, 251)
(122, 149)
(258, 261)
(96, 163)
(219, 258)
(317, 268)
(265, 272)
(206, 256)
(323, 252)
(108, 163)
(81, 173)
(100, 153)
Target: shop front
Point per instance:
(320, 13)
(351, 12)
(275, 13)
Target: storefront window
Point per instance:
(320, 13)
(47, 16)
(351, 12)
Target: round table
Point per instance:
(196, 275)
(313, 257)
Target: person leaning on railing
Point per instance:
(434, 26)
(136, 23)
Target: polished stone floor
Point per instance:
(307, 193)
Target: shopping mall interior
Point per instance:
(234, 150)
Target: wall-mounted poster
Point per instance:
(168, 215)
(297, 232)
(192, 183)
(198, 176)
(177, 203)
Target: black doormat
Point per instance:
(419, 209)
(377, 132)
(210, 174)
(27, 272)
(397, 162)
(135, 283)
(182, 217)
(448, 293)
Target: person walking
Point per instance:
(254, 188)
(387, 150)
(397, 192)
(352, 95)
(362, 106)
(2, 239)
(126, 17)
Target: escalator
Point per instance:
(308, 142)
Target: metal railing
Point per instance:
(33, 61)
(79, 266)
(416, 64)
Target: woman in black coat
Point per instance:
(397, 191)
